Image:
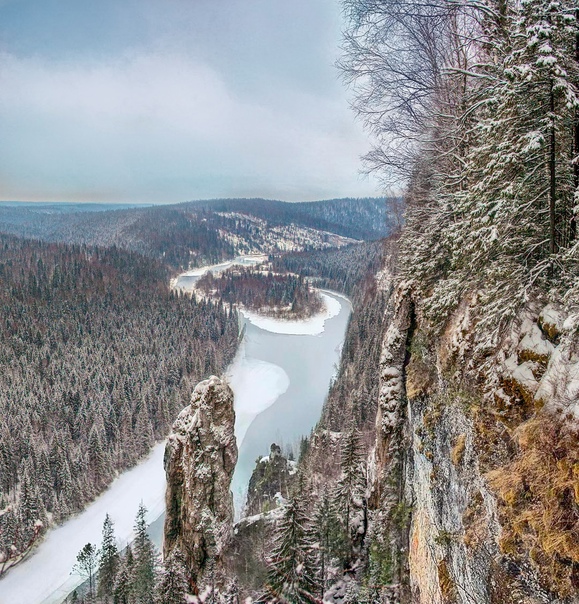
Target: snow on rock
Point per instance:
(392, 395)
(559, 386)
(552, 320)
(522, 373)
(533, 344)
(313, 326)
(200, 459)
(542, 361)
(271, 480)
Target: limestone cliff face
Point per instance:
(477, 455)
(200, 458)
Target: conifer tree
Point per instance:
(143, 571)
(108, 560)
(327, 538)
(172, 586)
(291, 573)
(86, 564)
(350, 490)
(122, 585)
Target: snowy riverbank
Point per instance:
(268, 409)
(311, 326)
(45, 577)
(283, 368)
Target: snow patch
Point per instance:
(313, 326)
(550, 315)
(522, 373)
(256, 386)
(534, 341)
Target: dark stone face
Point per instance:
(199, 461)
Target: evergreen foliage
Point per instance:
(122, 586)
(348, 270)
(86, 565)
(97, 357)
(199, 233)
(350, 490)
(292, 570)
(143, 572)
(328, 540)
(108, 561)
(286, 295)
(172, 586)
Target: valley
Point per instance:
(280, 376)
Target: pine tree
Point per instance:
(143, 572)
(292, 573)
(122, 585)
(328, 538)
(31, 508)
(108, 560)
(351, 487)
(86, 564)
(172, 586)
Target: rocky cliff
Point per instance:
(270, 482)
(200, 459)
(475, 480)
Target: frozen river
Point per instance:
(280, 378)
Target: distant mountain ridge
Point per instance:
(196, 232)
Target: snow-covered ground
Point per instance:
(256, 385)
(313, 326)
(45, 577)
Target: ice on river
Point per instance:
(45, 577)
(256, 385)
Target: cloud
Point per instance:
(166, 126)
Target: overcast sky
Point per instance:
(171, 100)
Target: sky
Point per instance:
(162, 101)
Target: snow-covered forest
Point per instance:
(276, 294)
(444, 468)
(475, 105)
(205, 232)
(97, 356)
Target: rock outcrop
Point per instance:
(477, 455)
(270, 482)
(200, 458)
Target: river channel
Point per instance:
(280, 377)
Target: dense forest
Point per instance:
(206, 232)
(284, 295)
(97, 356)
(365, 218)
(343, 270)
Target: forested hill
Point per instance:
(367, 218)
(343, 270)
(97, 356)
(201, 232)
